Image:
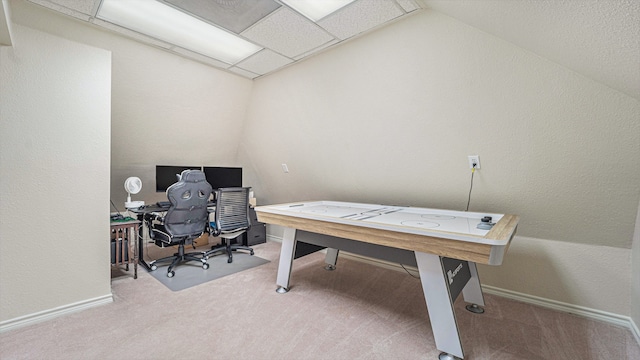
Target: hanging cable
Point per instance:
(473, 170)
(410, 274)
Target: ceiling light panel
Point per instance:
(151, 18)
(233, 15)
(131, 34)
(316, 10)
(287, 33)
(359, 17)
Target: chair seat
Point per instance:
(233, 234)
(159, 233)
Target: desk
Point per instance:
(444, 245)
(140, 213)
(125, 231)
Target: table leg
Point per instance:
(331, 259)
(472, 292)
(141, 243)
(287, 252)
(134, 232)
(439, 305)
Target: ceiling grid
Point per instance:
(285, 35)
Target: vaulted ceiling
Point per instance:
(599, 39)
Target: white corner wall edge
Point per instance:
(608, 317)
(45, 315)
(5, 24)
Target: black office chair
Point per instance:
(231, 220)
(185, 220)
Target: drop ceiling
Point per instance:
(284, 35)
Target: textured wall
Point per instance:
(391, 118)
(596, 38)
(166, 110)
(54, 158)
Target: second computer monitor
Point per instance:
(222, 177)
(167, 175)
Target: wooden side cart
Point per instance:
(124, 244)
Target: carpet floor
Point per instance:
(358, 311)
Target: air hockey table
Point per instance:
(444, 245)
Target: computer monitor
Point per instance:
(221, 177)
(167, 175)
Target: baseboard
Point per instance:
(611, 318)
(274, 238)
(615, 319)
(635, 331)
(41, 316)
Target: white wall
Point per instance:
(171, 111)
(166, 110)
(159, 109)
(391, 117)
(54, 163)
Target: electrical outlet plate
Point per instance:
(474, 159)
(285, 168)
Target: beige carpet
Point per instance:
(358, 311)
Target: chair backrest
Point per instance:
(187, 215)
(232, 209)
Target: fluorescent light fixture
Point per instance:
(165, 23)
(316, 9)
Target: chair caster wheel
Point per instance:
(205, 266)
(229, 260)
(170, 274)
(154, 267)
(251, 252)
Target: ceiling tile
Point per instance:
(408, 5)
(264, 62)
(78, 9)
(243, 72)
(287, 33)
(233, 15)
(88, 7)
(359, 17)
(318, 49)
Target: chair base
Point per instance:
(227, 247)
(178, 258)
